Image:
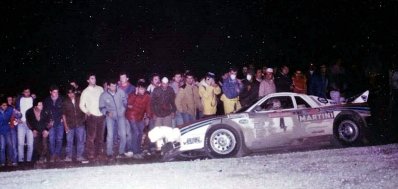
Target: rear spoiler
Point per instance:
(362, 98)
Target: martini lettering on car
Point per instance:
(317, 116)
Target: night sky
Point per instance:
(52, 42)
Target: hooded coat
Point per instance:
(208, 97)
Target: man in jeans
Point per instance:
(176, 84)
(125, 85)
(6, 113)
(24, 103)
(137, 106)
(188, 99)
(73, 119)
(13, 124)
(113, 104)
(53, 109)
(89, 104)
(162, 104)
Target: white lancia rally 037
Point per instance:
(278, 120)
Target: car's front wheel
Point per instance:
(222, 141)
(348, 130)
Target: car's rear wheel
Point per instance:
(222, 142)
(348, 130)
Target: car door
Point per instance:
(314, 121)
(274, 120)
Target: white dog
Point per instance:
(164, 134)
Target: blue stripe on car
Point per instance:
(198, 125)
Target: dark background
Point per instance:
(52, 42)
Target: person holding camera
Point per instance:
(208, 91)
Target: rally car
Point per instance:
(276, 120)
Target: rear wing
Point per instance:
(362, 98)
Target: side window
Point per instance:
(301, 103)
(277, 103)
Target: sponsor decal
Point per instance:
(243, 121)
(280, 114)
(234, 116)
(364, 98)
(311, 111)
(193, 140)
(316, 116)
(318, 132)
(323, 100)
(259, 129)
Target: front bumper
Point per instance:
(170, 151)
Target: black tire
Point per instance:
(348, 130)
(222, 141)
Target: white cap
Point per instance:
(165, 80)
(270, 70)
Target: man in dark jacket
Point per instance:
(53, 108)
(73, 119)
(38, 122)
(283, 82)
(163, 104)
(319, 83)
(249, 93)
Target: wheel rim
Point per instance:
(222, 141)
(348, 131)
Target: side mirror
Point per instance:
(258, 108)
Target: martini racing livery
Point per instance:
(276, 120)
